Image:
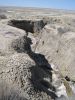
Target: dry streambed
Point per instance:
(37, 59)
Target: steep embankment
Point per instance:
(37, 56)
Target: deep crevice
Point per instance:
(28, 25)
(41, 70)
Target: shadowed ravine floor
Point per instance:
(41, 70)
(37, 54)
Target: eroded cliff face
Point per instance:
(37, 57)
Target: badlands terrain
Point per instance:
(37, 54)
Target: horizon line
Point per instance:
(37, 7)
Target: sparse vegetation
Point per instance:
(34, 43)
(2, 16)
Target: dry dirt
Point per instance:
(37, 54)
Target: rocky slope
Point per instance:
(37, 54)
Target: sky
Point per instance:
(58, 4)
